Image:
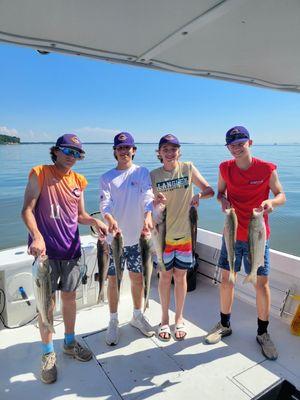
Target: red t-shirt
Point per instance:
(247, 189)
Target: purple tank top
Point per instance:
(56, 211)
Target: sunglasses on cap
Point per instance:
(71, 152)
(236, 136)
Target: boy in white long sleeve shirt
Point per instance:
(126, 203)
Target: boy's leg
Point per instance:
(112, 334)
(72, 272)
(263, 304)
(263, 298)
(180, 290)
(226, 293)
(136, 280)
(134, 266)
(164, 289)
(263, 295)
(112, 294)
(48, 366)
(69, 310)
(222, 328)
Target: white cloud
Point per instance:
(32, 136)
(4, 130)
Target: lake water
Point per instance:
(17, 160)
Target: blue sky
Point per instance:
(43, 97)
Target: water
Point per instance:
(17, 160)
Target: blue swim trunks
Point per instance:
(131, 255)
(242, 254)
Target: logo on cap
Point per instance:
(122, 137)
(170, 137)
(74, 139)
(234, 131)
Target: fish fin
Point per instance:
(100, 298)
(146, 305)
(232, 277)
(161, 266)
(250, 278)
(51, 328)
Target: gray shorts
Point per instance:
(66, 275)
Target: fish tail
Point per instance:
(232, 277)
(250, 278)
(161, 266)
(100, 297)
(50, 328)
(146, 305)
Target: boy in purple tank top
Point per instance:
(53, 207)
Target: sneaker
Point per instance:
(140, 322)
(217, 332)
(76, 350)
(48, 368)
(267, 346)
(112, 334)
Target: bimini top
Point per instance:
(249, 41)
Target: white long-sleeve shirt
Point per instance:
(127, 195)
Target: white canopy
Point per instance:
(251, 41)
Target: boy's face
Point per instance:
(124, 153)
(169, 153)
(63, 160)
(239, 150)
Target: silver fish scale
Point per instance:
(230, 229)
(43, 291)
(146, 249)
(257, 244)
(117, 250)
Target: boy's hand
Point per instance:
(267, 205)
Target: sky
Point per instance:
(45, 96)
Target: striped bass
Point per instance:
(117, 251)
(159, 234)
(43, 290)
(194, 225)
(146, 254)
(257, 243)
(230, 229)
(103, 264)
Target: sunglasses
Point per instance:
(71, 152)
(236, 136)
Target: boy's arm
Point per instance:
(147, 199)
(32, 193)
(277, 190)
(206, 190)
(106, 206)
(84, 218)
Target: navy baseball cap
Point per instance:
(70, 140)
(124, 139)
(237, 134)
(168, 139)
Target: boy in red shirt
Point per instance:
(244, 183)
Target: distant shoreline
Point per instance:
(193, 143)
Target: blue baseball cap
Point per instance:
(124, 139)
(237, 134)
(70, 140)
(168, 139)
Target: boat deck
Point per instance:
(146, 368)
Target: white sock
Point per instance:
(114, 316)
(137, 313)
